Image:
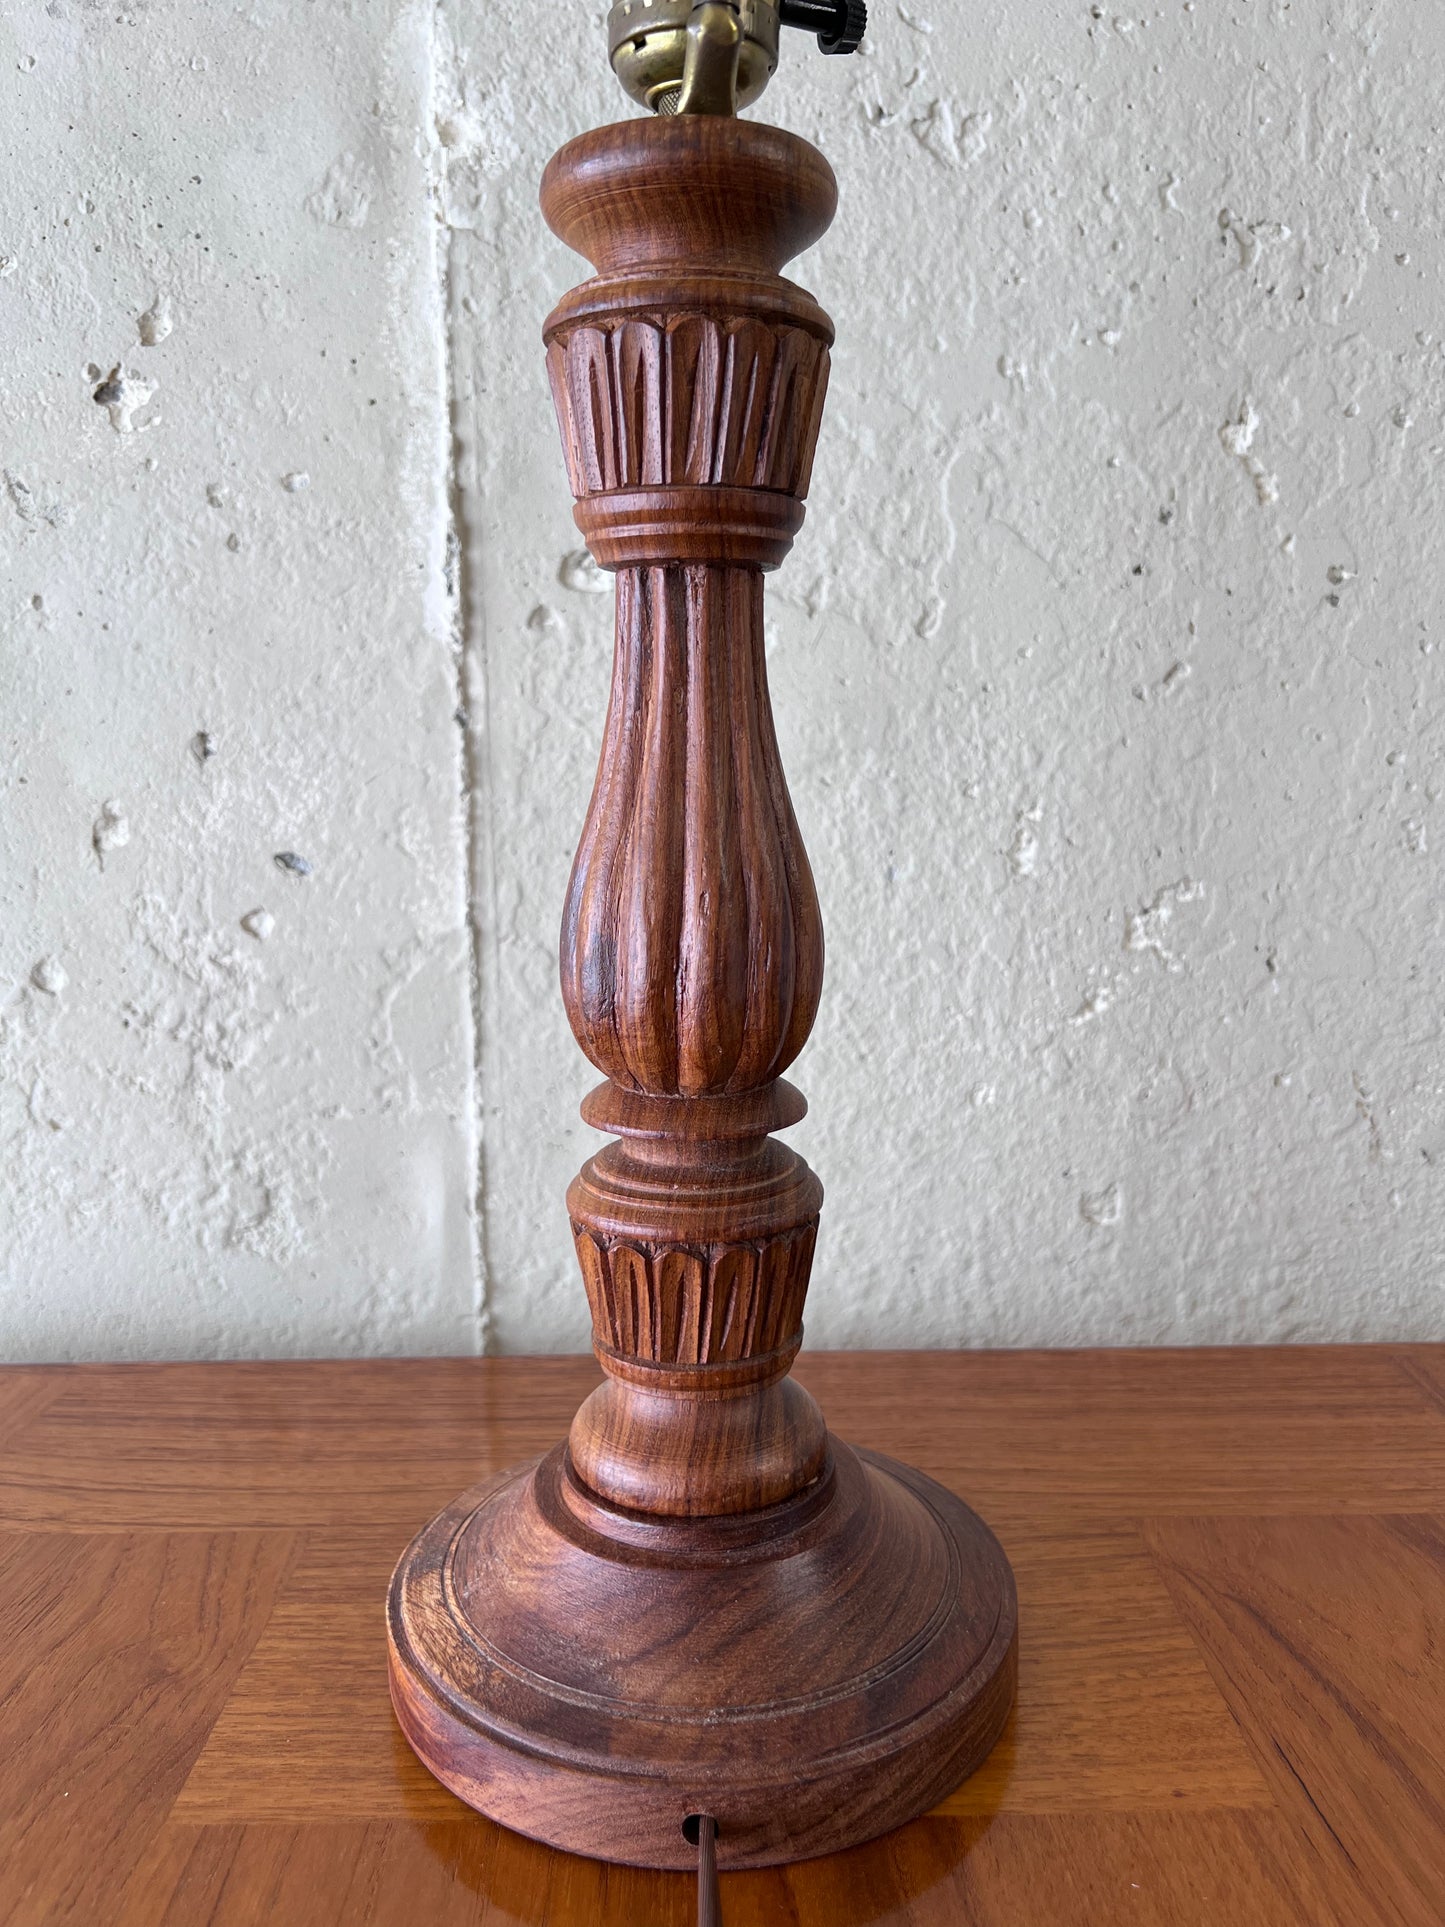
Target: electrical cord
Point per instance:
(709, 1900)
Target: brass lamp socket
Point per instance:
(647, 46)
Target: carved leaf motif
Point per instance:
(676, 1305)
(688, 399)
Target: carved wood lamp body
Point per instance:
(701, 1602)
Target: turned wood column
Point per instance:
(689, 379)
(701, 1603)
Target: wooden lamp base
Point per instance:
(700, 1604)
(811, 1675)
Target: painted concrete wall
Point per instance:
(1109, 671)
(236, 1093)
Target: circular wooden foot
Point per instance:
(811, 1675)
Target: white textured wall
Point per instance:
(1109, 669)
(216, 1140)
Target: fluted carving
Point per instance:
(696, 1305)
(704, 1604)
(688, 399)
(689, 378)
(692, 945)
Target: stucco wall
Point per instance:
(1109, 671)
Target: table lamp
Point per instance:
(701, 1614)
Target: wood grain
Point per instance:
(1298, 1429)
(1325, 1640)
(565, 1652)
(689, 379)
(1104, 1633)
(119, 1654)
(809, 1675)
(689, 399)
(25, 1391)
(272, 1445)
(692, 945)
(716, 197)
(1425, 1367)
(307, 1732)
(1202, 1869)
(1225, 1716)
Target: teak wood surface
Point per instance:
(1231, 1572)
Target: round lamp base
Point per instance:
(811, 1675)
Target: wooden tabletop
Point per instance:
(1231, 1571)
